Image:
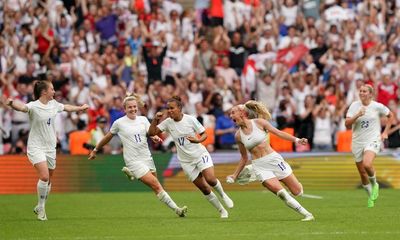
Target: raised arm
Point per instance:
(16, 105)
(71, 108)
(153, 129)
(99, 145)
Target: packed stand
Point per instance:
(305, 60)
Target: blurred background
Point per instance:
(305, 60)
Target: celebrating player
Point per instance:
(268, 165)
(363, 117)
(42, 141)
(132, 130)
(195, 160)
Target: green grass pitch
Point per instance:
(257, 215)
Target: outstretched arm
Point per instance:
(16, 105)
(102, 142)
(72, 108)
(284, 135)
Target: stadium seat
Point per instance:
(210, 137)
(279, 144)
(76, 141)
(344, 141)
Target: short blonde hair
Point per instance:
(370, 88)
(133, 97)
(256, 109)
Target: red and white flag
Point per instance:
(291, 56)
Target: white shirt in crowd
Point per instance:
(367, 128)
(299, 97)
(133, 135)
(82, 96)
(172, 62)
(187, 60)
(193, 97)
(169, 6)
(179, 131)
(323, 130)
(290, 14)
(42, 134)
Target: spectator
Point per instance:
(205, 59)
(79, 139)
(44, 37)
(322, 139)
(387, 89)
(394, 131)
(304, 124)
(225, 129)
(229, 74)
(237, 53)
(97, 134)
(103, 49)
(154, 59)
(106, 24)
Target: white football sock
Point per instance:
(48, 190)
(368, 188)
(165, 198)
(292, 203)
(219, 189)
(42, 192)
(372, 179)
(212, 198)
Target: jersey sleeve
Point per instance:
(146, 123)
(197, 125)
(382, 109)
(114, 128)
(59, 106)
(352, 111)
(29, 105)
(163, 126)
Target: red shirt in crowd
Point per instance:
(42, 42)
(387, 92)
(217, 9)
(93, 114)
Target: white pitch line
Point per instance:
(312, 196)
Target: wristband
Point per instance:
(297, 140)
(95, 150)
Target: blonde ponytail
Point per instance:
(256, 109)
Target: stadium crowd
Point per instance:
(305, 60)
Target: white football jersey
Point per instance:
(179, 131)
(133, 135)
(367, 127)
(42, 134)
